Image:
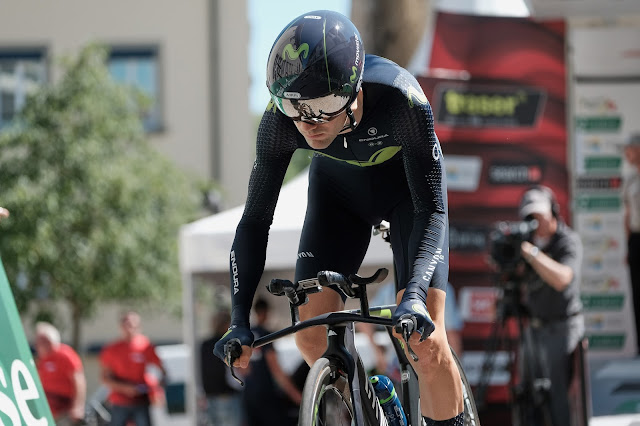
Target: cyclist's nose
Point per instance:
(308, 124)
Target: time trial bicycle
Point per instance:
(337, 390)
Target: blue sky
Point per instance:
(267, 19)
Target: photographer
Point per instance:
(551, 277)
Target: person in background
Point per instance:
(62, 376)
(631, 198)
(552, 293)
(266, 384)
(124, 371)
(223, 399)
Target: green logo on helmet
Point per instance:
(293, 54)
(352, 79)
(417, 95)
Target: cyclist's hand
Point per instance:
(236, 335)
(411, 316)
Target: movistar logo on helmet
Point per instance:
(293, 54)
(417, 95)
(312, 17)
(292, 95)
(353, 77)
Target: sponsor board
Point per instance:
(463, 172)
(477, 105)
(598, 203)
(607, 183)
(598, 144)
(604, 245)
(468, 238)
(478, 304)
(603, 302)
(502, 173)
(605, 322)
(22, 400)
(602, 164)
(606, 341)
(599, 124)
(600, 223)
(608, 281)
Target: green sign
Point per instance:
(607, 163)
(599, 124)
(22, 400)
(600, 203)
(602, 302)
(606, 341)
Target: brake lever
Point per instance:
(232, 351)
(405, 327)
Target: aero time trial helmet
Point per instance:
(315, 67)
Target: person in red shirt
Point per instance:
(124, 370)
(62, 375)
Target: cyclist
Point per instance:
(376, 157)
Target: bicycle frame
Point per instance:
(342, 350)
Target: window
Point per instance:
(138, 67)
(21, 72)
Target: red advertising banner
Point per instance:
(497, 87)
(501, 121)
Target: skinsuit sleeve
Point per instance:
(276, 143)
(412, 121)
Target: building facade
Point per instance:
(189, 57)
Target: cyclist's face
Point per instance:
(320, 135)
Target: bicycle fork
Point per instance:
(341, 346)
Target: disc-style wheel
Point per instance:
(326, 400)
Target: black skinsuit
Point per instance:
(390, 167)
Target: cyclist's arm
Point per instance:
(275, 145)
(422, 156)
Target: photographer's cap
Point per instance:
(634, 140)
(534, 201)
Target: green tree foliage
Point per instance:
(95, 210)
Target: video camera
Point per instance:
(505, 241)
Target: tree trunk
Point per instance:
(76, 323)
(391, 28)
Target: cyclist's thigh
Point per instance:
(334, 237)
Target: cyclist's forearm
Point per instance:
(429, 250)
(246, 264)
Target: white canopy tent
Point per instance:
(206, 243)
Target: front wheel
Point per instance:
(325, 398)
(470, 411)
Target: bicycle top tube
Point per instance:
(333, 318)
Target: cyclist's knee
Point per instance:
(434, 355)
(312, 343)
